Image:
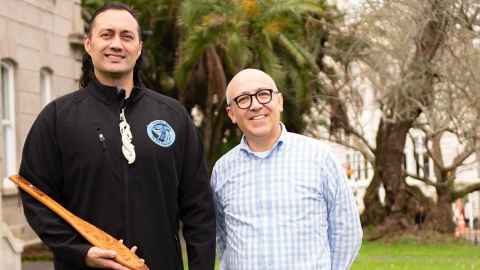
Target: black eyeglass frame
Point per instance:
(270, 91)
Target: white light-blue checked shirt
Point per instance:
(288, 209)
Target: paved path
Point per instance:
(473, 236)
(37, 265)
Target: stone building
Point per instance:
(39, 60)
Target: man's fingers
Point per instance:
(95, 252)
(134, 249)
(105, 254)
(101, 258)
(108, 264)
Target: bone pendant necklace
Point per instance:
(128, 149)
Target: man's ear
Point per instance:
(87, 44)
(141, 48)
(280, 101)
(231, 115)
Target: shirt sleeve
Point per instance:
(344, 228)
(41, 165)
(196, 204)
(220, 217)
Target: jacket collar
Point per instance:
(110, 94)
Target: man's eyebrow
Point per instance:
(251, 91)
(105, 29)
(127, 31)
(110, 29)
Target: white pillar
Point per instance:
(470, 208)
(2, 237)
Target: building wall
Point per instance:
(38, 39)
(35, 35)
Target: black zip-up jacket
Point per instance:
(73, 153)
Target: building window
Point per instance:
(417, 163)
(348, 167)
(358, 163)
(426, 166)
(8, 124)
(45, 86)
(477, 156)
(365, 168)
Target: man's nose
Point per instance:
(255, 104)
(116, 43)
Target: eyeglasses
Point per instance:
(263, 96)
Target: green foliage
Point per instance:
(268, 34)
(414, 256)
(277, 36)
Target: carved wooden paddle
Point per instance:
(94, 235)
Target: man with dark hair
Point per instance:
(122, 157)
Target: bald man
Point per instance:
(281, 198)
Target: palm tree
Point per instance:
(193, 47)
(221, 37)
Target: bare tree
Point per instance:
(411, 65)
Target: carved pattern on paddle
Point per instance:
(94, 235)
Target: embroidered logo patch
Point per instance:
(161, 133)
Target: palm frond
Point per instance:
(192, 50)
(192, 12)
(300, 54)
(269, 62)
(292, 8)
(237, 53)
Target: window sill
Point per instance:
(9, 188)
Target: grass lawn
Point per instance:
(405, 253)
(409, 255)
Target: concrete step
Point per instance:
(14, 218)
(12, 210)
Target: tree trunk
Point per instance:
(213, 126)
(440, 217)
(374, 212)
(401, 200)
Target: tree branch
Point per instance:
(466, 190)
(365, 151)
(425, 180)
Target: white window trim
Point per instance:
(45, 86)
(9, 140)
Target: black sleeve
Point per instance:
(196, 204)
(41, 165)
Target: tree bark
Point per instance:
(374, 213)
(213, 124)
(401, 200)
(440, 218)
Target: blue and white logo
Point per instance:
(161, 133)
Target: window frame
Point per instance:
(8, 128)
(46, 80)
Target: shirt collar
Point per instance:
(278, 144)
(110, 94)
